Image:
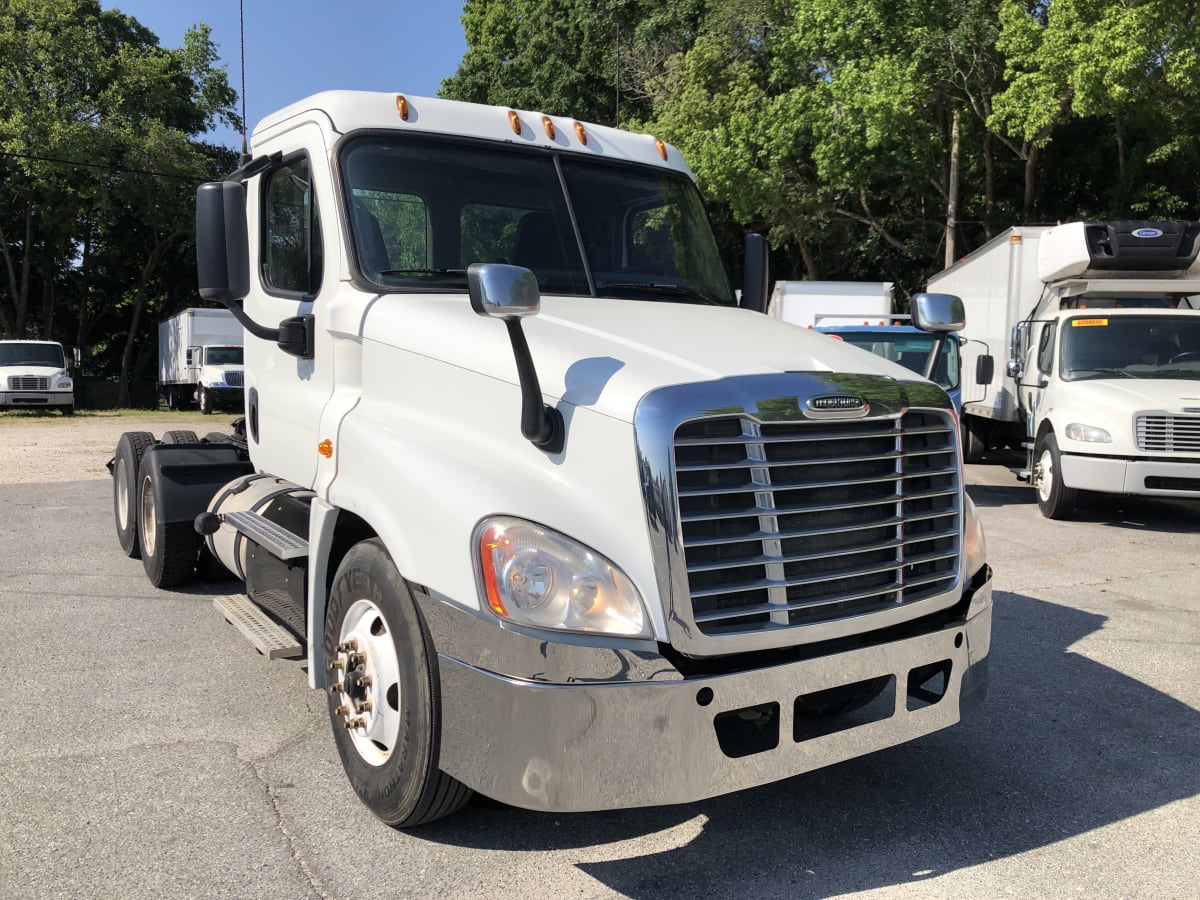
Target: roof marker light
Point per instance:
(402, 107)
(515, 121)
(548, 126)
(581, 133)
(661, 147)
(325, 448)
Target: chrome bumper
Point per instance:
(576, 747)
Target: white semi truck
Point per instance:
(1103, 350)
(200, 360)
(548, 515)
(36, 375)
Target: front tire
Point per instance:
(127, 463)
(974, 439)
(204, 401)
(384, 696)
(1055, 499)
(169, 549)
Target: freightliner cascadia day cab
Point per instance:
(36, 375)
(550, 517)
(200, 360)
(1103, 348)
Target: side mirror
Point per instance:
(938, 312)
(985, 369)
(222, 243)
(755, 277)
(510, 293)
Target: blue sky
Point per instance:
(298, 47)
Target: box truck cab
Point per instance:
(35, 375)
(548, 514)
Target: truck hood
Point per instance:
(33, 371)
(1119, 399)
(608, 353)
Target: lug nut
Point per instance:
(338, 688)
(357, 659)
(365, 681)
(363, 706)
(356, 723)
(348, 646)
(336, 664)
(342, 710)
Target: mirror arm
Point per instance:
(542, 425)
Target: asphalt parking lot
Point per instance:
(147, 750)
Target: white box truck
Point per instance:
(200, 360)
(35, 375)
(1102, 383)
(536, 532)
(812, 303)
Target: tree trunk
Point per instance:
(952, 188)
(1030, 176)
(989, 186)
(139, 302)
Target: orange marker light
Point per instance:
(661, 147)
(515, 121)
(402, 107)
(581, 133)
(325, 448)
(548, 126)
(488, 542)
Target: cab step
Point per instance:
(277, 541)
(272, 640)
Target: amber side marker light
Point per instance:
(661, 148)
(581, 133)
(548, 126)
(514, 121)
(325, 448)
(402, 107)
(488, 542)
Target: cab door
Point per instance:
(293, 277)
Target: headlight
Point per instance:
(1090, 433)
(974, 544)
(64, 384)
(538, 577)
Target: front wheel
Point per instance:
(1055, 499)
(384, 696)
(974, 439)
(203, 400)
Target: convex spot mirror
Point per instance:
(502, 291)
(938, 312)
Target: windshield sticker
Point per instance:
(1083, 323)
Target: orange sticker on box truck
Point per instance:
(1081, 323)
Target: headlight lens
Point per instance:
(538, 577)
(64, 384)
(974, 543)
(1077, 432)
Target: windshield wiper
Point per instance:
(423, 272)
(663, 290)
(1106, 371)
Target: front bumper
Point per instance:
(577, 747)
(36, 399)
(1148, 477)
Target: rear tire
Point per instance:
(1055, 499)
(169, 549)
(127, 464)
(388, 728)
(180, 436)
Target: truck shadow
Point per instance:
(1135, 513)
(1063, 745)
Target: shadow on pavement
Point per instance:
(1062, 746)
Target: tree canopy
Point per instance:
(873, 139)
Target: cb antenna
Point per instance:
(242, 37)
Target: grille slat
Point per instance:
(28, 383)
(1164, 433)
(791, 524)
(233, 379)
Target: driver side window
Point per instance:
(1045, 357)
(291, 239)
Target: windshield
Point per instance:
(421, 211)
(19, 354)
(1102, 346)
(911, 351)
(223, 356)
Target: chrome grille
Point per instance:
(798, 523)
(1162, 432)
(233, 379)
(28, 383)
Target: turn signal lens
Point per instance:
(325, 448)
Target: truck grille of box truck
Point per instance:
(233, 379)
(28, 383)
(792, 524)
(1163, 432)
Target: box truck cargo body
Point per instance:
(200, 359)
(812, 303)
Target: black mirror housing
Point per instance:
(222, 241)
